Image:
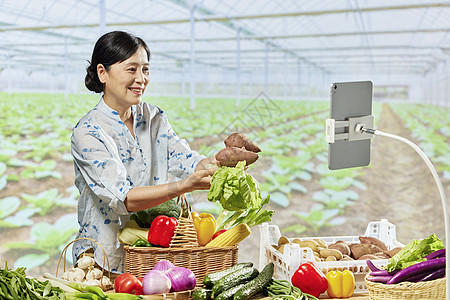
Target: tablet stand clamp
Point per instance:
(355, 129)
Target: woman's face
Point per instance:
(125, 82)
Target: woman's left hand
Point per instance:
(207, 163)
(200, 179)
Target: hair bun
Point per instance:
(92, 81)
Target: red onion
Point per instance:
(156, 282)
(182, 279)
(163, 265)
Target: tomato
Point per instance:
(218, 233)
(128, 283)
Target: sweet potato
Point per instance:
(368, 256)
(379, 255)
(394, 251)
(373, 241)
(240, 140)
(341, 246)
(359, 250)
(230, 156)
(346, 257)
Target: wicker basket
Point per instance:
(200, 260)
(184, 251)
(105, 260)
(434, 289)
(185, 234)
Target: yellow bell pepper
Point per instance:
(205, 225)
(340, 284)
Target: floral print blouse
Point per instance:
(109, 162)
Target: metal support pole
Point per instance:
(102, 22)
(183, 80)
(299, 79)
(266, 69)
(447, 86)
(285, 77)
(66, 68)
(238, 68)
(192, 58)
(9, 74)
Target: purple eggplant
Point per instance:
(436, 254)
(379, 273)
(439, 273)
(382, 272)
(418, 268)
(371, 266)
(381, 279)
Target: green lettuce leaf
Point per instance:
(233, 188)
(240, 196)
(414, 252)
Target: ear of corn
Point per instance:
(231, 237)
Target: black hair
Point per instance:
(112, 47)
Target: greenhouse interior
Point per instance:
(261, 68)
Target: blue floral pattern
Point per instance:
(109, 162)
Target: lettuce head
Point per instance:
(235, 189)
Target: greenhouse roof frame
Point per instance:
(58, 36)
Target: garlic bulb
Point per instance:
(93, 273)
(85, 262)
(105, 281)
(92, 282)
(65, 275)
(75, 274)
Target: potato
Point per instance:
(331, 252)
(307, 244)
(230, 156)
(321, 243)
(283, 240)
(394, 251)
(341, 246)
(358, 250)
(346, 257)
(373, 241)
(317, 256)
(281, 248)
(240, 140)
(331, 258)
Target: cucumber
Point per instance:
(256, 285)
(240, 276)
(201, 294)
(228, 294)
(212, 278)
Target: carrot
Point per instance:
(239, 140)
(230, 156)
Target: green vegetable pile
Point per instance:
(14, 285)
(283, 290)
(240, 196)
(144, 218)
(239, 282)
(414, 252)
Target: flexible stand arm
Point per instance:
(438, 183)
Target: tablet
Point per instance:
(348, 100)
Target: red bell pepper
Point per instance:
(162, 230)
(218, 233)
(128, 283)
(309, 279)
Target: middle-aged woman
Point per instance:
(124, 149)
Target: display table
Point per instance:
(364, 296)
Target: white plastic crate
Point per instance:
(288, 262)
